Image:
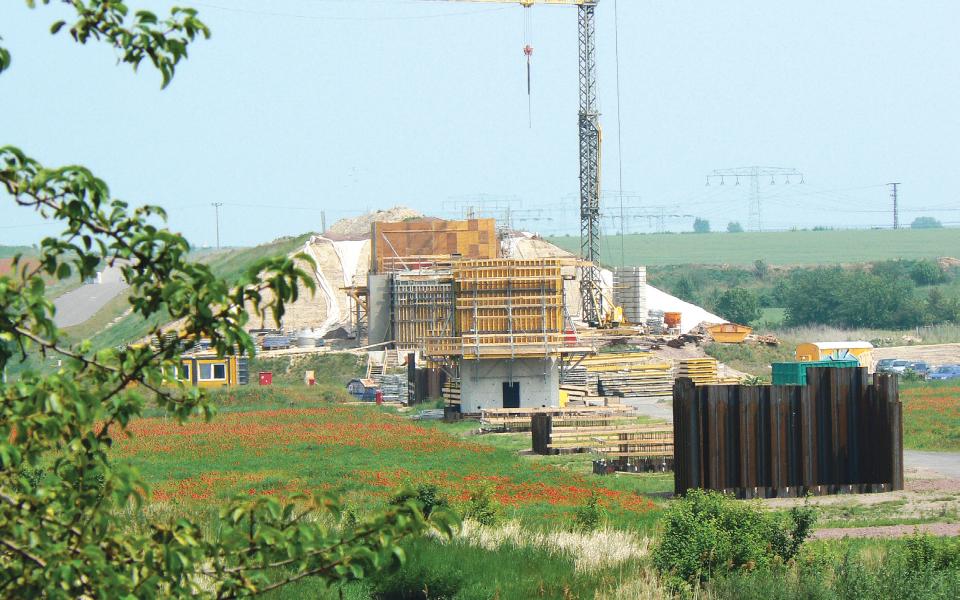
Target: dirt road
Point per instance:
(934, 354)
(886, 531)
(78, 305)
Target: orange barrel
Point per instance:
(671, 319)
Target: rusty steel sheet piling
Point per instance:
(840, 433)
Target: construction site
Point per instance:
(521, 335)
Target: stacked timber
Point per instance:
(703, 371)
(654, 381)
(579, 383)
(519, 419)
(394, 388)
(629, 375)
(451, 393)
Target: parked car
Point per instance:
(884, 364)
(919, 367)
(898, 366)
(945, 372)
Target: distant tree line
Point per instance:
(887, 294)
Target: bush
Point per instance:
(701, 225)
(734, 227)
(427, 494)
(738, 305)
(927, 272)
(590, 515)
(707, 533)
(482, 506)
(418, 581)
(832, 296)
(925, 223)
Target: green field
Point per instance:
(280, 440)
(776, 248)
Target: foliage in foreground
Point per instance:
(918, 568)
(708, 533)
(60, 493)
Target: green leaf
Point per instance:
(56, 27)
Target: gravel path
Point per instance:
(945, 463)
(886, 531)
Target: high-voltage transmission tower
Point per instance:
(896, 210)
(589, 127)
(722, 176)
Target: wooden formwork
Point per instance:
(422, 309)
(398, 245)
(703, 371)
(509, 306)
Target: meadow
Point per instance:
(281, 440)
(828, 247)
(931, 416)
(365, 454)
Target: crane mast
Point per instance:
(590, 138)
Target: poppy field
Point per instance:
(362, 454)
(931, 416)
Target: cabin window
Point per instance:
(212, 371)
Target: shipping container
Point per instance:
(795, 373)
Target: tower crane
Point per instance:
(590, 139)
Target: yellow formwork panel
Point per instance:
(431, 239)
(506, 307)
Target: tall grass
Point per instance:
(935, 334)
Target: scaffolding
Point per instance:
(506, 308)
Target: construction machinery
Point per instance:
(590, 140)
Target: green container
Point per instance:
(795, 373)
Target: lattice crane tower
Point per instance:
(590, 137)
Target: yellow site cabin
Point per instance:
(209, 370)
(859, 351)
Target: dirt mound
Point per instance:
(525, 245)
(358, 228)
(947, 262)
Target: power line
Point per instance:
(616, 55)
(265, 13)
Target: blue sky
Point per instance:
(298, 106)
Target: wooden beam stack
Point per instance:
(703, 371)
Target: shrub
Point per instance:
(419, 581)
(734, 227)
(590, 515)
(738, 305)
(427, 494)
(707, 532)
(927, 272)
(482, 506)
(926, 223)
